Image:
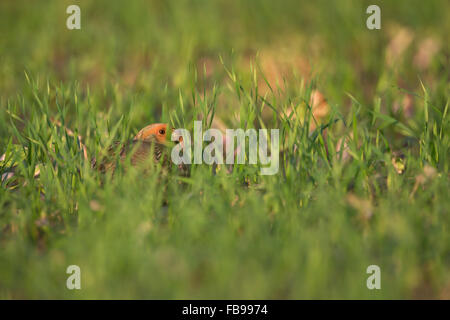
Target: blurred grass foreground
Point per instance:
(364, 162)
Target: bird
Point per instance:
(151, 141)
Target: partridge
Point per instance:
(151, 141)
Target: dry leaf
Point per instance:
(400, 41)
(428, 48)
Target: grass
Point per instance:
(363, 177)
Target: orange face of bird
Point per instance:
(156, 131)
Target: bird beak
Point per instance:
(180, 139)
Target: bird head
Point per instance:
(155, 132)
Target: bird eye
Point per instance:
(162, 131)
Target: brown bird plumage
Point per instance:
(150, 141)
